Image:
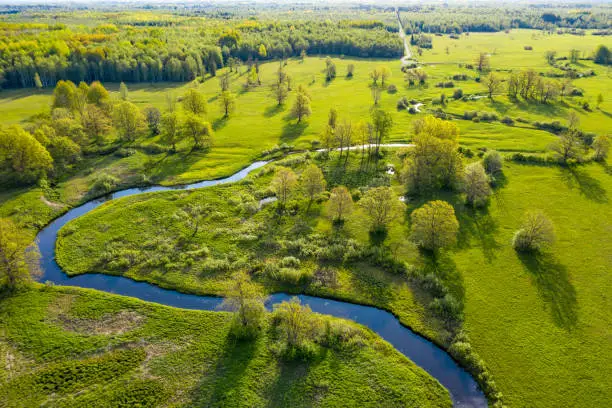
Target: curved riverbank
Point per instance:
(463, 388)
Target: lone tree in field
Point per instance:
(301, 106)
(170, 131)
(381, 206)
(227, 102)
(192, 215)
(19, 259)
(601, 146)
(340, 204)
(246, 300)
(382, 122)
(330, 69)
(476, 185)
(493, 83)
(284, 183)
(536, 232)
(224, 81)
(295, 321)
(567, 146)
(492, 162)
(199, 130)
(129, 121)
(434, 226)
(194, 102)
(483, 62)
(350, 70)
(280, 87)
(312, 182)
(153, 118)
(385, 74)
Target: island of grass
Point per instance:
(69, 347)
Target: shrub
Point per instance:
(290, 262)
(447, 308)
(507, 120)
(460, 77)
(412, 110)
(492, 162)
(392, 89)
(104, 184)
(470, 115)
(403, 103)
(528, 48)
(458, 94)
(487, 116)
(555, 126)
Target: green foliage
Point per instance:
(72, 369)
(536, 233)
(22, 156)
(434, 226)
(104, 184)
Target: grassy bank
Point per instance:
(547, 304)
(74, 347)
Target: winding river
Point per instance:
(463, 388)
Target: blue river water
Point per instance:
(463, 389)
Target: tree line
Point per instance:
(39, 57)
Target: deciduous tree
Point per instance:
(340, 204)
(434, 225)
(19, 259)
(170, 129)
(246, 300)
(301, 106)
(537, 232)
(312, 182)
(381, 206)
(199, 130)
(22, 155)
(476, 185)
(227, 102)
(194, 102)
(129, 121)
(284, 183)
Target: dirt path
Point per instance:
(56, 206)
(407, 52)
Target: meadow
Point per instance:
(71, 347)
(540, 322)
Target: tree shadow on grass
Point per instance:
(590, 187)
(272, 111)
(219, 123)
(292, 375)
(292, 131)
(477, 223)
(172, 164)
(554, 287)
(223, 382)
(444, 267)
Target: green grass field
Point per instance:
(79, 348)
(551, 307)
(542, 324)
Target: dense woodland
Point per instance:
(154, 46)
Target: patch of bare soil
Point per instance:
(54, 205)
(110, 324)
